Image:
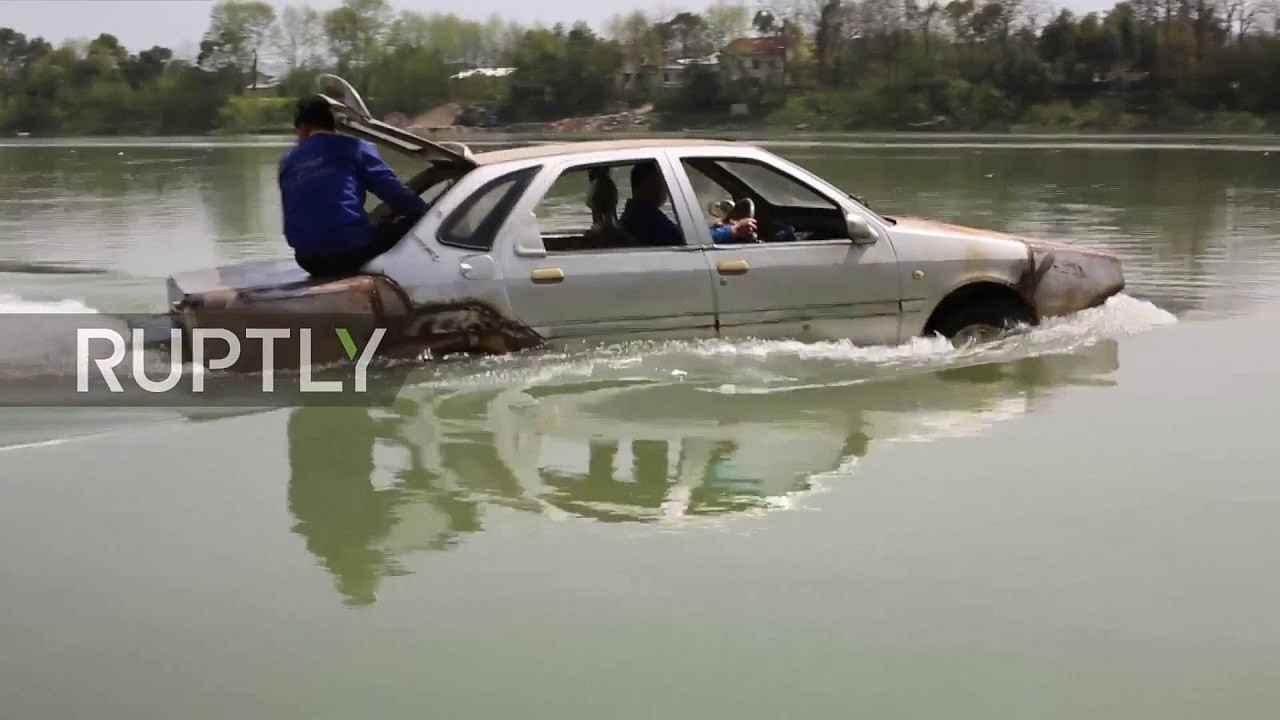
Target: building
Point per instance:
(762, 59)
(263, 84)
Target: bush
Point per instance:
(1099, 114)
(243, 114)
(1237, 122)
(977, 107)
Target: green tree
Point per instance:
(355, 32)
(238, 33)
(145, 67)
(726, 21)
(687, 35)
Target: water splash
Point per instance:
(752, 366)
(11, 304)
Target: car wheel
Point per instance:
(982, 321)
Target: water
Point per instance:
(1072, 522)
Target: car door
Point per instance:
(805, 278)
(570, 277)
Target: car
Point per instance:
(526, 247)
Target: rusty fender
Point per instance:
(360, 304)
(465, 326)
(1062, 279)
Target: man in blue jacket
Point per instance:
(323, 181)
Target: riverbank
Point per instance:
(801, 113)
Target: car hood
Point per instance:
(1059, 277)
(933, 227)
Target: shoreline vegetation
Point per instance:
(849, 66)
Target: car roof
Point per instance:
(533, 152)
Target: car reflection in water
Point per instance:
(368, 486)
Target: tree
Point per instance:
(637, 38)
(298, 36)
(827, 38)
(13, 53)
(687, 35)
(764, 22)
(107, 46)
(146, 66)
(561, 73)
(923, 18)
(726, 22)
(355, 31)
(238, 31)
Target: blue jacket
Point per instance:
(323, 181)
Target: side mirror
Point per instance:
(860, 231)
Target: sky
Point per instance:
(178, 24)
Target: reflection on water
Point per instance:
(354, 527)
(367, 487)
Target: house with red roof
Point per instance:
(762, 59)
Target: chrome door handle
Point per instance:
(733, 267)
(547, 276)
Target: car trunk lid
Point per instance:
(353, 118)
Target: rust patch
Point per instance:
(359, 303)
(467, 326)
(1062, 279)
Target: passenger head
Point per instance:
(313, 115)
(647, 185)
(602, 197)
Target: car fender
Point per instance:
(936, 259)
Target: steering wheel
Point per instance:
(731, 211)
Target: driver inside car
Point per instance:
(644, 220)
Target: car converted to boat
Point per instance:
(527, 247)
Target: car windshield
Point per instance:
(773, 186)
(783, 189)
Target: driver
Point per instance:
(323, 180)
(644, 220)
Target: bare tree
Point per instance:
(1240, 15)
(299, 36)
(923, 18)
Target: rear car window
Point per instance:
(475, 222)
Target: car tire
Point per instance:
(982, 320)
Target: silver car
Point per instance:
(555, 244)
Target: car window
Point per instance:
(775, 187)
(474, 223)
(707, 190)
(785, 209)
(433, 193)
(624, 205)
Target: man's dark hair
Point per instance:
(642, 171)
(314, 112)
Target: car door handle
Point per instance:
(547, 276)
(733, 267)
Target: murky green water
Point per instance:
(1080, 522)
